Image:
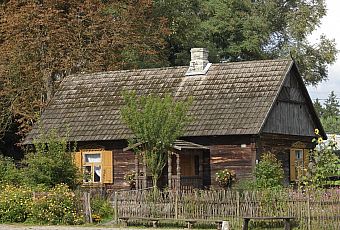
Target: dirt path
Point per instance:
(27, 227)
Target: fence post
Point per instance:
(116, 206)
(308, 211)
(238, 203)
(176, 204)
(87, 207)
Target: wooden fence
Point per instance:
(312, 209)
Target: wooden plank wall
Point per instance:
(234, 157)
(290, 113)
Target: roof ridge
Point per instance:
(176, 67)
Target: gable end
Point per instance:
(293, 112)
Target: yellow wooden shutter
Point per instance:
(292, 165)
(78, 159)
(305, 158)
(107, 163)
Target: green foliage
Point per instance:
(245, 185)
(318, 108)
(130, 178)
(52, 163)
(269, 172)
(15, 203)
(9, 173)
(331, 106)
(236, 30)
(323, 164)
(57, 205)
(101, 208)
(331, 124)
(225, 178)
(329, 113)
(156, 122)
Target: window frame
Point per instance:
(92, 165)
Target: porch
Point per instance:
(187, 168)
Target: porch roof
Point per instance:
(178, 145)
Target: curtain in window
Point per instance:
(92, 158)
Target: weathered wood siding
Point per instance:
(290, 114)
(280, 145)
(234, 157)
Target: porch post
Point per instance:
(144, 174)
(169, 170)
(137, 170)
(178, 186)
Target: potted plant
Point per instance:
(130, 178)
(225, 178)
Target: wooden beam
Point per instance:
(169, 170)
(178, 185)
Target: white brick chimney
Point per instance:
(199, 63)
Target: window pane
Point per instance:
(299, 154)
(97, 173)
(92, 158)
(87, 174)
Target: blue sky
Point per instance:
(330, 27)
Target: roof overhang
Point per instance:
(178, 145)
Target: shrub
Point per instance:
(225, 178)
(245, 184)
(43, 206)
(268, 172)
(9, 173)
(324, 163)
(15, 203)
(101, 208)
(52, 163)
(55, 206)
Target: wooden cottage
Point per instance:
(240, 110)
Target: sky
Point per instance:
(330, 27)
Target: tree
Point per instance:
(236, 30)
(331, 124)
(156, 122)
(42, 41)
(331, 106)
(318, 108)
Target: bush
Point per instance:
(268, 172)
(245, 185)
(101, 208)
(9, 173)
(15, 203)
(52, 163)
(43, 206)
(323, 164)
(56, 206)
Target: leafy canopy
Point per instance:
(156, 122)
(329, 113)
(323, 163)
(268, 172)
(52, 162)
(43, 41)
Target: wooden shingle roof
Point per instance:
(231, 99)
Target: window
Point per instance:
(96, 165)
(92, 167)
(298, 162)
